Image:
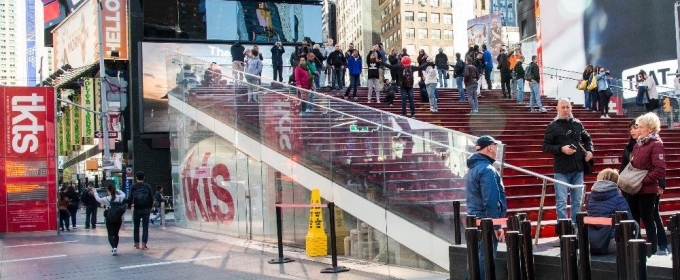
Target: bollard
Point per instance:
(470, 221)
(621, 270)
(626, 229)
(527, 250)
(162, 213)
(472, 241)
(487, 242)
(514, 268)
(564, 227)
(279, 237)
(513, 223)
(522, 216)
(583, 246)
(568, 257)
(675, 244)
(456, 223)
(637, 259)
(334, 251)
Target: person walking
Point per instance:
(570, 144)
(588, 103)
(506, 73)
(485, 194)
(112, 225)
(158, 198)
(73, 204)
(519, 77)
(142, 199)
(458, 70)
(91, 205)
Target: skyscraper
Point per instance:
(20, 25)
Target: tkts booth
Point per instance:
(28, 190)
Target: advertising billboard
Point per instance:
(28, 164)
(262, 21)
(486, 30)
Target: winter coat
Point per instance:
(603, 201)
(602, 81)
(519, 70)
(354, 65)
(237, 52)
(302, 77)
(277, 55)
(441, 61)
(487, 59)
(471, 76)
(533, 67)
(337, 59)
(485, 194)
(650, 156)
(651, 88)
(459, 68)
(318, 59)
(562, 132)
(400, 71)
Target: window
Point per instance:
(408, 16)
(448, 34)
(422, 33)
(410, 33)
(408, 1)
(448, 19)
(434, 18)
(422, 17)
(483, 4)
(435, 34)
(447, 3)
(435, 3)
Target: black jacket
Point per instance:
(534, 72)
(319, 58)
(277, 55)
(87, 198)
(131, 196)
(562, 132)
(237, 52)
(337, 59)
(400, 71)
(441, 61)
(519, 70)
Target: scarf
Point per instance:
(644, 140)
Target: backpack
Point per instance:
(115, 211)
(142, 196)
(527, 73)
(407, 80)
(72, 203)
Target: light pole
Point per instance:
(106, 161)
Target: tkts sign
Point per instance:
(29, 121)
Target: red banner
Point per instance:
(282, 124)
(28, 166)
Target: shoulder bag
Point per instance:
(630, 179)
(593, 82)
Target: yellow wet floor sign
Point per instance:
(316, 241)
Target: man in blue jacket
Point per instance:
(485, 194)
(488, 67)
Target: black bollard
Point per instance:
(527, 250)
(637, 259)
(472, 241)
(487, 242)
(470, 221)
(456, 223)
(513, 223)
(621, 270)
(334, 250)
(522, 216)
(583, 246)
(564, 227)
(514, 268)
(674, 225)
(279, 237)
(568, 257)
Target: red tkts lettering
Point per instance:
(207, 181)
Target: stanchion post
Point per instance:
(470, 221)
(334, 251)
(621, 270)
(487, 241)
(162, 213)
(456, 223)
(564, 227)
(279, 237)
(513, 223)
(675, 244)
(583, 246)
(568, 257)
(522, 216)
(637, 259)
(514, 268)
(472, 242)
(527, 250)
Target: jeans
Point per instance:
(73, 211)
(373, 86)
(238, 67)
(330, 74)
(278, 69)
(505, 86)
(143, 216)
(487, 77)
(535, 95)
(472, 97)
(520, 90)
(660, 230)
(461, 91)
(586, 102)
(91, 216)
(481, 255)
(594, 100)
(353, 84)
(112, 230)
(604, 103)
(309, 104)
(64, 219)
(431, 93)
(642, 207)
(561, 192)
(338, 78)
(442, 78)
(513, 86)
(317, 80)
(407, 93)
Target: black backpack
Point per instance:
(407, 80)
(142, 196)
(115, 211)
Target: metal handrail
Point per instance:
(611, 78)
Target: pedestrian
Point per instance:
(354, 68)
(519, 78)
(374, 64)
(603, 91)
(406, 82)
(586, 92)
(73, 203)
(442, 62)
(238, 62)
(652, 96)
(337, 61)
(571, 146)
(506, 73)
(393, 59)
(112, 225)
(488, 66)
(431, 83)
(458, 70)
(142, 199)
(532, 75)
(157, 199)
(253, 68)
(64, 215)
(485, 194)
(471, 78)
(277, 61)
(328, 70)
(91, 205)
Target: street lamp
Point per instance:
(106, 161)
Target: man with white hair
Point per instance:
(328, 71)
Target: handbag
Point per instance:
(630, 179)
(608, 92)
(593, 83)
(582, 85)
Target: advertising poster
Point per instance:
(486, 30)
(29, 162)
(87, 100)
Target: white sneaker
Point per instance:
(607, 116)
(114, 251)
(603, 117)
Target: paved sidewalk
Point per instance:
(174, 253)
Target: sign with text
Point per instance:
(100, 134)
(87, 101)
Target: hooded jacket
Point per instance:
(485, 194)
(603, 201)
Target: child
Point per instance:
(389, 90)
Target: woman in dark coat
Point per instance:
(73, 205)
(603, 201)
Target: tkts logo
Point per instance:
(203, 192)
(26, 123)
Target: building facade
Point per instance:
(20, 52)
(482, 7)
(508, 10)
(526, 18)
(356, 24)
(328, 21)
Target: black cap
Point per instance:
(485, 141)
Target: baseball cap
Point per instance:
(485, 141)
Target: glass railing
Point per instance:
(410, 168)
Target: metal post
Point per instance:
(522, 216)
(583, 246)
(637, 259)
(527, 250)
(106, 161)
(471, 221)
(540, 210)
(456, 223)
(675, 244)
(564, 227)
(487, 242)
(334, 251)
(162, 212)
(513, 223)
(568, 257)
(472, 241)
(279, 239)
(514, 268)
(621, 270)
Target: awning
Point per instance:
(74, 74)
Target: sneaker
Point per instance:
(136, 245)
(74, 227)
(369, 101)
(543, 110)
(391, 104)
(144, 247)
(602, 117)
(607, 116)
(355, 99)
(94, 227)
(114, 251)
(86, 227)
(662, 252)
(436, 110)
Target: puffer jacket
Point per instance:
(603, 201)
(485, 194)
(650, 156)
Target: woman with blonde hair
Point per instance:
(605, 200)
